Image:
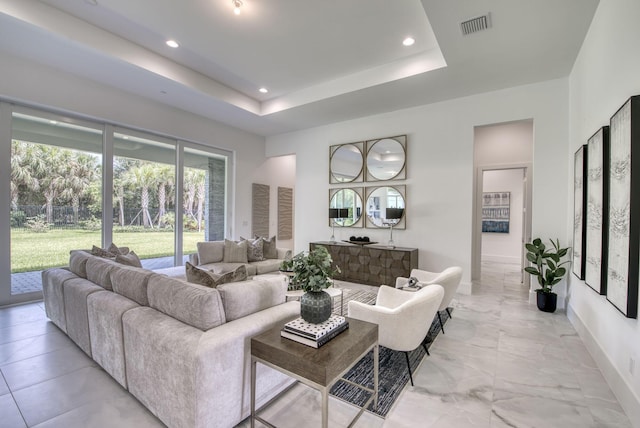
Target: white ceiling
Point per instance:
(322, 61)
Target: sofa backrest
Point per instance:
(131, 282)
(193, 304)
(78, 262)
(99, 271)
(210, 252)
(243, 298)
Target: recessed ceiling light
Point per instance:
(408, 41)
(237, 4)
(263, 90)
(125, 137)
(172, 43)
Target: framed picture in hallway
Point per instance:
(597, 213)
(496, 212)
(579, 209)
(624, 207)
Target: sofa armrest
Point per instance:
(193, 259)
(284, 253)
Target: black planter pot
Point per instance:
(315, 306)
(547, 302)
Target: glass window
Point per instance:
(56, 195)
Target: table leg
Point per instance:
(325, 407)
(376, 355)
(342, 303)
(253, 392)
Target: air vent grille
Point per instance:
(474, 25)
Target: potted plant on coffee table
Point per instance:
(547, 266)
(312, 272)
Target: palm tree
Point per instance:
(144, 177)
(20, 171)
(47, 167)
(165, 175)
(81, 171)
(190, 186)
(200, 195)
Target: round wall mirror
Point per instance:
(346, 163)
(385, 159)
(350, 200)
(379, 200)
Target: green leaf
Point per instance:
(531, 270)
(532, 257)
(537, 242)
(561, 271)
(551, 265)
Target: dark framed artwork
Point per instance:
(597, 214)
(579, 208)
(624, 208)
(496, 212)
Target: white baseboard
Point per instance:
(464, 288)
(626, 397)
(495, 258)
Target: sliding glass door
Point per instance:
(55, 194)
(68, 184)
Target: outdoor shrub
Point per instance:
(91, 224)
(18, 218)
(37, 224)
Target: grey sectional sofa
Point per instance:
(211, 256)
(181, 349)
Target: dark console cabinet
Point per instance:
(370, 264)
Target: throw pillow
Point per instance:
(209, 279)
(129, 259)
(269, 250)
(235, 252)
(254, 249)
(100, 252)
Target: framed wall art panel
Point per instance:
(624, 208)
(496, 212)
(579, 208)
(597, 213)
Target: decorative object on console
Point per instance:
(349, 199)
(547, 266)
(346, 163)
(334, 215)
(624, 199)
(597, 214)
(393, 216)
(312, 271)
(386, 158)
(496, 208)
(579, 210)
(379, 199)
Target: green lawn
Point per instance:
(32, 251)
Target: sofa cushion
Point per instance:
(220, 268)
(254, 249)
(210, 252)
(78, 262)
(247, 297)
(102, 252)
(131, 282)
(207, 278)
(269, 249)
(99, 271)
(266, 266)
(235, 252)
(193, 304)
(129, 259)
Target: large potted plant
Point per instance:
(312, 272)
(547, 267)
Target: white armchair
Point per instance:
(403, 317)
(449, 279)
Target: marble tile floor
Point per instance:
(502, 363)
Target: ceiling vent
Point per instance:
(474, 25)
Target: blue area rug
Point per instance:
(393, 374)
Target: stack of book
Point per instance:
(314, 335)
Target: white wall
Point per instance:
(606, 74)
(505, 247)
(37, 85)
(440, 168)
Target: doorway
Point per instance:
(503, 155)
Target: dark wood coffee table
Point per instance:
(318, 368)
